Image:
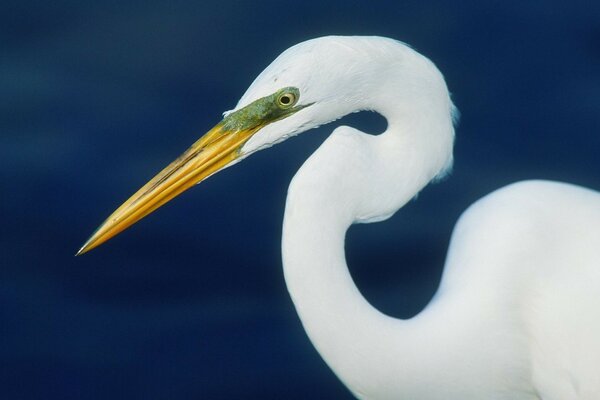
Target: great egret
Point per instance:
(517, 314)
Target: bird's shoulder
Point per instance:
(527, 229)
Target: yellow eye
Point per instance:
(286, 100)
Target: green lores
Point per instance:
(265, 110)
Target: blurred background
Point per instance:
(190, 303)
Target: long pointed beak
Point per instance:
(212, 152)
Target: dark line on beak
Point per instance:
(183, 160)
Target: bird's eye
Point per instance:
(286, 100)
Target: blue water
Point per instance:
(96, 97)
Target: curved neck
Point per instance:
(446, 351)
(358, 342)
(335, 315)
(354, 177)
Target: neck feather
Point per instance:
(369, 351)
(355, 177)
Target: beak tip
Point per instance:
(87, 246)
(81, 251)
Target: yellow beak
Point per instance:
(213, 151)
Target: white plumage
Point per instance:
(517, 314)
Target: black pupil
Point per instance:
(286, 100)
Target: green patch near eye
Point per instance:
(265, 110)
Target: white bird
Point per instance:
(517, 313)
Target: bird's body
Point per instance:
(517, 314)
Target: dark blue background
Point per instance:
(96, 97)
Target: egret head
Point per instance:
(309, 84)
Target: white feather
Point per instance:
(517, 314)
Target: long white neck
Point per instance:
(355, 177)
(371, 352)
